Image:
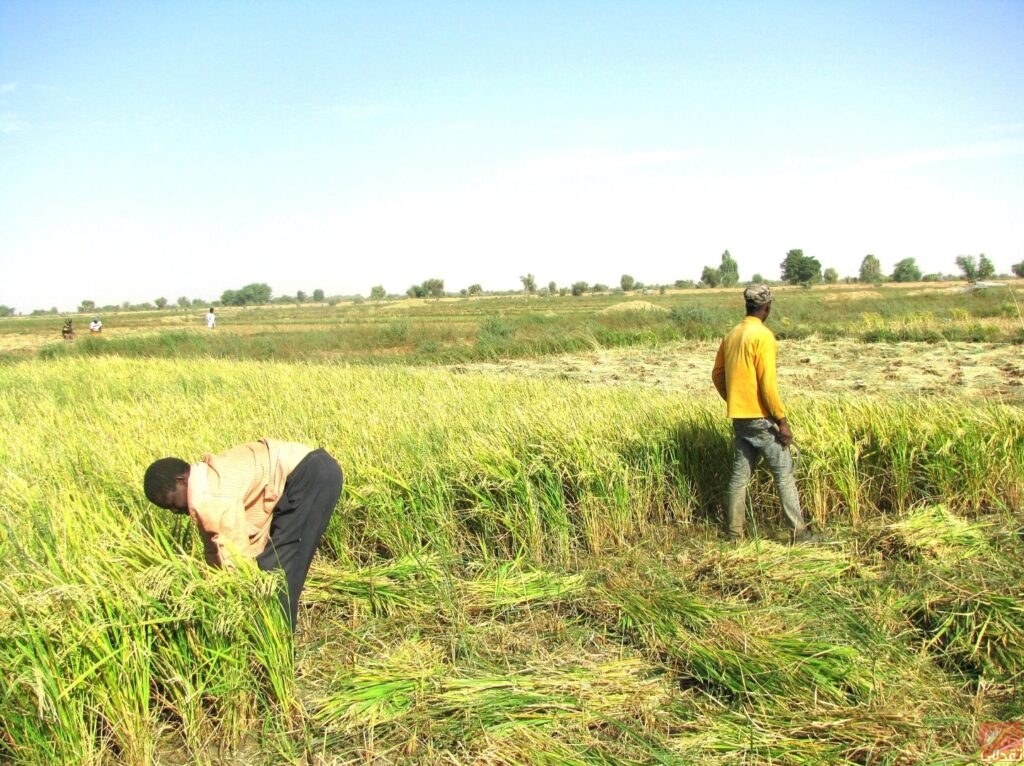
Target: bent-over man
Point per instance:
(266, 500)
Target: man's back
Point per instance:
(744, 371)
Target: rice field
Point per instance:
(523, 569)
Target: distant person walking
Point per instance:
(95, 326)
(266, 500)
(211, 318)
(745, 376)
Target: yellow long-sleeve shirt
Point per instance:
(744, 372)
(231, 496)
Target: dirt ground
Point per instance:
(992, 371)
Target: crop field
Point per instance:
(526, 564)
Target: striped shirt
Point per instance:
(744, 372)
(231, 496)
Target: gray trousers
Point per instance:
(756, 438)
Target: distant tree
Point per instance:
(434, 287)
(6, 311)
(800, 269)
(968, 267)
(86, 306)
(906, 271)
(416, 291)
(552, 288)
(627, 283)
(599, 288)
(711, 276)
(183, 302)
(160, 303)
(475, 290)
(683, 284)
(757, 279)
(728, 271)
(254, 294)
(870, 269)
(318, 296)
(578, 288)
(377, 293)
(831, 276)
(300, 297)
(1018, 269)
(529, 284)
(986, 269)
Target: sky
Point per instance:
(180, 149)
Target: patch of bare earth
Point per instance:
(992, 371)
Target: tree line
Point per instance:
(796, 268)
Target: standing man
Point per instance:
(744, 374)
(211, 318)
(267, 500)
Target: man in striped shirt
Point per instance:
(744, 374)
(267, 500)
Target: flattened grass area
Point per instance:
(525, 567)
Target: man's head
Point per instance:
(166, 484)
(759, 300)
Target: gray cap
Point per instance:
(757, 295)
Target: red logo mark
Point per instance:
(1001, 742)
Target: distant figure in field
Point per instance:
(67, 332)
(744, 374)
(266, 500)
(95, 326)
(211, 318)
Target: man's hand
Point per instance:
(785, 434)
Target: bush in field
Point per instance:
(495, 329)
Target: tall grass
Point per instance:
(518, 572)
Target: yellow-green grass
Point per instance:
(519, 571)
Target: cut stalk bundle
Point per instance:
(931, 533)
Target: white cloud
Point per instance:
(923, 157)
(11, 123)
(8, 87)
(1005, 128)
(595, 162)
(359, 112)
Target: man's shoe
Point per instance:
(807, 537)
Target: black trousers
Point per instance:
(300, 518)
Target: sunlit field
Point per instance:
(526, 565)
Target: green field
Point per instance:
(523, 569)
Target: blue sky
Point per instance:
(166, 149)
